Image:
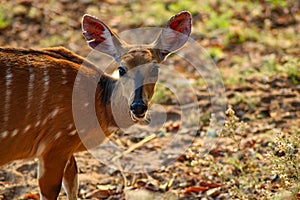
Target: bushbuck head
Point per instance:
(138, 64)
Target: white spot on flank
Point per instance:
(4, 134)
(69, 126)
(44, 122)
(64, 79)
(46, 84)
(40, 149)
(57, 135)
(8, 76)
(8, 93)
(64, 82)
(37, 123)
(54, 112)
(45, 90)
(14, 133)
(46, 80)
(86, 104)
(73, 132)
(27, 128)
(8, 81)
(30, 87)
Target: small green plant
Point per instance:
(200, 82)
(270, 66)
(52, 40)
(241, 35)
(216, 53)
(292, 68)
(250, 101)
(4, 18)
(219, 21)
(277, 3)
(162, 94)
(177, 6)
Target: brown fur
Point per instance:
(44, 92)
(36, 127)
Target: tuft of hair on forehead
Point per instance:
(137, 57)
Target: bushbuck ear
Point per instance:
(100, 37)
(174, 35)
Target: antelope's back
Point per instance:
(35, 99)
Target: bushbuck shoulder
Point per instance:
(36, 89)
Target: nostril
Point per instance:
(138, 108)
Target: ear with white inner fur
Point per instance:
(174, 35)
(101, 38)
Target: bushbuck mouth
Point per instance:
(137, 118)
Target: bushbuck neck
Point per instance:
(36, 99)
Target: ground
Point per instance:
(254, 44)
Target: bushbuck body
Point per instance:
(36, 89)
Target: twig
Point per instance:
(135, 146)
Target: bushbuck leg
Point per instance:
(50, 184)
(51, 176)
(70, 181)
(36, 88)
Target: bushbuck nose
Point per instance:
(138, 108)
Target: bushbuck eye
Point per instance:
(122, 71)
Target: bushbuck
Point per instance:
(36, 97)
